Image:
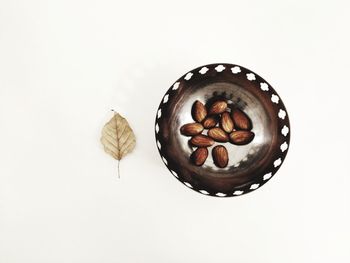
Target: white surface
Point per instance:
(65, 64)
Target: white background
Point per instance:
(65, 64)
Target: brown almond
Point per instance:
(220, 156)
(226, 122)
(191, 129)
(241, 137)
(218, 107)
(218, 135)
(199, 156)
(199, 111)
(209, 122)
(241, 120)
(202, 141)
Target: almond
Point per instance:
(218, 135)
(241, 120)
(199, 112)
(241, 137)
(209, 122)
(218, 107)
(220, 156)
(199, 156)
(202, 141)
(226, 122)
(191, 129)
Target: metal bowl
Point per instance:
(250, 166)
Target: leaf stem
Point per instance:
(118, 169)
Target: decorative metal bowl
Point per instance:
(250, 166)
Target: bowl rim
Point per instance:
(258, 82)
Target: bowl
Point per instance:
(250, 166)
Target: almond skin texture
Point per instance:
(226, 122)
(241, 137)
(202, 141)
(210, 122)
(241, 120)
(220, 156)
(218, 107)
(218, 135)
(191, 129)
(199, 111)
(199, 156)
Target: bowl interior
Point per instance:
(241, 157)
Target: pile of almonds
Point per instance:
(223, 125)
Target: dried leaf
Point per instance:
(118, 138)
